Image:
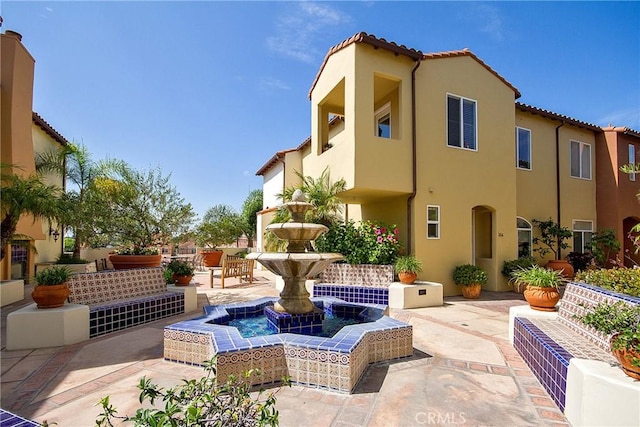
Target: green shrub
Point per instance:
(408, 264)
(366, 243)
(622, 280)
(69, 259)
(537, 276)
(523, 262)
(54, 275)
(468, 274)
(202, 402)
(181, 268)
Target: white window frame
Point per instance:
(583, 233)
(435, 222)
(582, 146)
(380, 114)
(529, 229)
(462, 99)
(632, 161)
(518, 129)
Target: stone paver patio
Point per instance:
(463, 371)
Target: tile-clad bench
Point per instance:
(120, 299)
(555, 348)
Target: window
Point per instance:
(433, 222)
(523, 148)
(582, 232)
(383, 121)
(524, 237)
(580, 160)
(632, 161)
(461, 122)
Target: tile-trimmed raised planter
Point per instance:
(358, 275)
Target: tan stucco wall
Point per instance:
(458, 180)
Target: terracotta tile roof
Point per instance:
(414, 54)
(369, 39)
(49, 130)
(276, 158)
(549, 114)
(621, 129)
(280, 154)
(467, 52)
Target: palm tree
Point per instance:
(25, 195)
(323, 195)
(74, 163)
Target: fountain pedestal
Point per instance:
(306, 324)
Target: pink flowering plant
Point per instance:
(368, 242)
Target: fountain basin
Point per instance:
(335, 363)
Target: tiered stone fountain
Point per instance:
(295, 345)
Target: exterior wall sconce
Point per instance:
(54, 233)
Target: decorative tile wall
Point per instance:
(104, 319)
(110, 285)
(120, 299)
(358, 275)
(546, 358)
(355, 294)
(336, 363)
(578, 295)
(7, 419)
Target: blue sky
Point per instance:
(208, 91)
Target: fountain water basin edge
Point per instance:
(334, 363)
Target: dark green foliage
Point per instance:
(619, 318)
(69, 259)
(468, 274)
(366, 243)
(604, 245)
(198, 403)
(537, 276)
(623, 280)
(579, 261)
(408, 264)
(181, 268)
(523, 262)
(54, 275)
(551, 236)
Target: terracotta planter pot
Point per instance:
(211, 258)
(625, 358)
(561, 264)
(124, 262)
(50, 296)
(407, 278)
(182, 280)
(472, 291)
(542, 299)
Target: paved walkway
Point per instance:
(463, 372)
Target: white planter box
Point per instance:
(11, 291)
(417, 295)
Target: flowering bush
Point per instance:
(366, 243)
(623, 280)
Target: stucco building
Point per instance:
(438, 144)
(24, 134)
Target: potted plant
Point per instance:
(553, 239)
(509, 267)
(51, 289)
(622, 322)
(220, 225)
(541, 283)
(181, 272)
(471, 278)
(407, 267)
(135, 257)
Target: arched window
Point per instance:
(524, 237)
